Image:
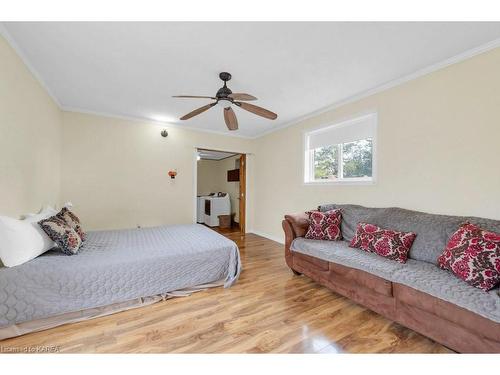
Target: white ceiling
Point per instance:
(133, 69)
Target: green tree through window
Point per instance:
(356, 160)
(326, 163)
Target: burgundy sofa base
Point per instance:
(457, 328)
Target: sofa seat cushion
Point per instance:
(447, 311)
(422, 276)
(340, 252)
(429, 279)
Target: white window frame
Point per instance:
(308, 176)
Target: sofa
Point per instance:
(417, 294)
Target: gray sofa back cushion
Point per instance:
(433, 231)
(351, 215)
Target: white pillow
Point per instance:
(22, 240)
(45, 213)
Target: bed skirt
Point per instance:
(87, 314)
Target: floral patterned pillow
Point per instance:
(324, 225)
(73, 221)
(473, 255)
(384, 242)
(62, 234)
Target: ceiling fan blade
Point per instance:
(230, 119)
(197, 111)
(194, 96)
(257, 110)
(241, 96)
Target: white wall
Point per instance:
(115, 171)
(30, 139)
(438, 150)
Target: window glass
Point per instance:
(357, 159)
(341, 152)
(326, 164)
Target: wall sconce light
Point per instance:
(164, 133)
(172, 174)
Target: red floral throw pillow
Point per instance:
(324, 225)
(73, 221)
(62, 234)
(473, 255)
(384, 242)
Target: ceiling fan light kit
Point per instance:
(226, 99)
(224, 103)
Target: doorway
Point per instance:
(220, 189)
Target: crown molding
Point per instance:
(138, 119)
(391, 84)
(33, 71)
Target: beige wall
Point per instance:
(208, 177)
(115, 171)
(30, 139)
(438, 149)
(212, 178)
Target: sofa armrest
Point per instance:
(294, 225)
(299, 223)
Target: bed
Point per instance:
(114, 271)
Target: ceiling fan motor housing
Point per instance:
(224, 91)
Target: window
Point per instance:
(342, 152)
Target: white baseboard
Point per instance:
(280, 240)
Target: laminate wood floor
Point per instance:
(269, 310)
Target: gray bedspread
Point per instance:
(116, 266)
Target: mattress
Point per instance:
(114, 267)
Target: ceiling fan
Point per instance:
(226, 99)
